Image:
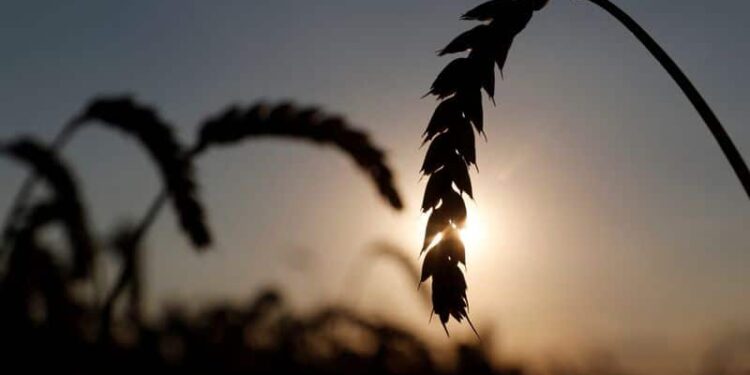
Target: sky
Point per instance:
(608, 217)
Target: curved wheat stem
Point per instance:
(156, 136)
(142, 123)
(712, 122)
(125, 240)
(68, 206)
(235, 124)
(26, 190)
(284, 121)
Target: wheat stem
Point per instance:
(148, 219)
(27, 188)
(709, 117)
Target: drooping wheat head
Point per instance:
(236, 124)
(156, 136)
(452, 143)
(67, 205)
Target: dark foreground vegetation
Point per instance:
(57, 315)
(262, 337)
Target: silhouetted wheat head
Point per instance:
(66, 207)
(452, 145)
(27, 253)
(156, 136)
(236, 124)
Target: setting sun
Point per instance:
(474, 232)
(471, 235)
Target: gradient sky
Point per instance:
(611, 218)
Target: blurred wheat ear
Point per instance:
(230, 126)
(156, 136)
(236, 124)
(67, 206)
(452, 149)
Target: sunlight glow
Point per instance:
(473, 233)
(435, 240)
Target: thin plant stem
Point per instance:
(153, 210)
(148, 219)
(700, 104)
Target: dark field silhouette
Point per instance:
(59, 315)
(49, 325)
(49, 329)
(450, 133)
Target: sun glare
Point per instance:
(473, 233)
(435, 240)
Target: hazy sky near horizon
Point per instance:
(610, 216)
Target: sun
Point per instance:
(473, 233)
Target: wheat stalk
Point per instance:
(156, 136)
(693, 95)
(68, 205)
(34, 272)
(452, 151)
(452, 144)
(234, 125)
(26, 190)
(125, 242)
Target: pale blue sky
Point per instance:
(612, 219)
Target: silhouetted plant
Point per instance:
(35, 288)
(707, 114)
(236, 124)
(24, 193)
(143, 123)
(452, 144)
(122, 242)
(452, 150)
(67, 206)
(175, 163)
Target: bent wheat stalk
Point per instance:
(237, 124)
(67, 205)
(130, 253)
(451, 138)
(24, 193)
(696, 99)
(156, 136)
